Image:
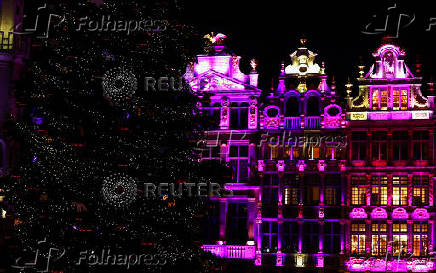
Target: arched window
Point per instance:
(312, 108)
(292, 107)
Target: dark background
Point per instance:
(270, 31)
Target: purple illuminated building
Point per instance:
(390, 169)
(320, 183)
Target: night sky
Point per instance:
(270, 31)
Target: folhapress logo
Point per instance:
(39, 24)
(41, 261)
(390, 23)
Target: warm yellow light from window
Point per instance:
(7, 21)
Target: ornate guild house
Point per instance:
(320, 183)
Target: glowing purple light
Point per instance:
(358, 213)
(379, 213)
(38, 121)
(400, 213)
(420, 214)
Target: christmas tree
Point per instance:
(95, 137)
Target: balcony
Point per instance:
(312, 122)
(292, 122)
(309, 122)
(231, 251)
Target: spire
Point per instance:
(418, 65)
(333, 84)
(349, 85)
(303, 41)
(431, 86)
(323, 86)
(253, 64)
(322, 70)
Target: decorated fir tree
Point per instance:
(93, 135)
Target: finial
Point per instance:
(418, 65)
(349, 85)
(333, 83)
(253, 64)
(303, 41)
(361, 71)
(431, 86)
(322, 70)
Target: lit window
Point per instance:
(379, 99)
(404, 100)
(375, 99)
(291, 196)
(358, 239)
(399, 99)
(396, 99)
(399, 189)
(379, 190)
(420, 190)
(378, 239)
(313, 152)
(383, 99)
(399, 196)
(358, 190)
(420, 239)
(399, 244)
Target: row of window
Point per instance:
(275, 151)
(310, 240)
(395, 99)
(311, 152)
(392, 238)
(377, 188)
(400, 142)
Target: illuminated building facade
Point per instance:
(319, 186)
(288, 156)
(390, 169)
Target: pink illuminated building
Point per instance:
(320, 184)
(390, 169)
